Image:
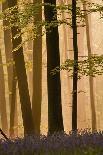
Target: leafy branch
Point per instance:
(90, 66)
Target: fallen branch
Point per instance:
(4, 135)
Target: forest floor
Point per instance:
(83, 142)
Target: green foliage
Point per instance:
(24, 18)
(90, 66)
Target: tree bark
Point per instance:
(13, 105)
(18, 58)
(65, 52)
(75, 67)
(3, 110)
(92, 101)
(11, 75)
(55, 120)
(37, 71)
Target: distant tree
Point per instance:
(3, 110)
(55, 120)
(18, 58)
(75, 67)
(91, 85)
(12, 81)
(37, 70)
(13, 106)
(65, 52)
(8, 53)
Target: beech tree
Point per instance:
(3, 107)
(75, 67)
(91, 81)
(18, 58)
(55, 119)
(12, 81)
(37, 70)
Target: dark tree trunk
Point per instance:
(18, 58)
(75, 68)
(37, 72)
(55, 119)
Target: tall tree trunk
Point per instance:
(92, 102)
(55, 120)
(3, 110)
(82, 99)
(30, 74)
(37, 71)
(18, 58)
(65, 79)
(11, 72)
(66, 52)
(8, 53)
(16, 120)
(75, 67)
(13, 104)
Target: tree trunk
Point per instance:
(65, 52)
(92, 102)
(55, 120)
(82, 98)
(13, 104)
(11, 74)
(8, 53)
(75, 67)
(37, 72)
(3, 110)
(65, 79)
(18, 58)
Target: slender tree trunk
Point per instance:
(55, 120)
(37, 72)
(65, 79)
(18, 58)
(3, 110)
(92, 102)
(16, 120)
(75, 67)
(8, 53)
(82, 98)
(13, 104)
(11, 74)
(64, 31)
(65, 51)
(30, 74)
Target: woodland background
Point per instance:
(90, 89)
